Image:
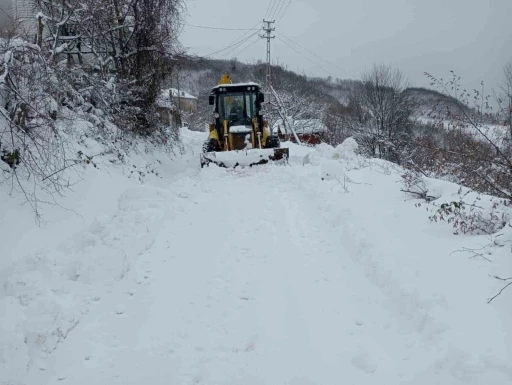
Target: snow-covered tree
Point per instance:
(473, 152)
(101, 61)
(131, 41)
(505, 99)
(380, 113)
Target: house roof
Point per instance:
(164, 99)
(182, 94)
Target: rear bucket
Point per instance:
(245, 158)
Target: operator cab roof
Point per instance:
(236, 86)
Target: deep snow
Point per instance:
(320, 272)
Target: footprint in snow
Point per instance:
(120, 309)
(143, 280)
(365, 363)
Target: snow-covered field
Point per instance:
(498, 134)
(320, 272)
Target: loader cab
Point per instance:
(238, 104)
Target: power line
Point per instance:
(284, 12)
(314, 54)
(230, 51)
(280, 9)
(234, 45)
(238, 41)
(272, 11)
(222, 29)
(304, 56)
(247, 46)
(269, 4)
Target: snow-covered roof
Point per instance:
(301, 126)
(164, 99)
(182, 94)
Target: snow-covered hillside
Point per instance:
(320, 272)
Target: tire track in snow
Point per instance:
(244, 296)
(373, 344)
(418, 317)
(308, 311)
(355, 238)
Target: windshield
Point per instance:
(237, 108)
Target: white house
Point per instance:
(170, 96)
(173, 103)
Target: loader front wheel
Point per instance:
(273, 142)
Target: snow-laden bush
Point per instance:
(34, 150)
(468, 211)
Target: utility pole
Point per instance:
(268, 29)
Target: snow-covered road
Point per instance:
(301, 274)
(272, 275)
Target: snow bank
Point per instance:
(467, 210)
(46, 294)
(51, 275)
(297, 152)
(437, 284)
(346, 151)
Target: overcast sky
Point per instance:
(5, 12)
(473, 38)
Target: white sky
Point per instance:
(473, 38)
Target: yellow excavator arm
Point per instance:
(225, 79)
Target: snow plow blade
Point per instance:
(245, 158)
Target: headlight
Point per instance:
(216, 115)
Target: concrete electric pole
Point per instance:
(268, 88)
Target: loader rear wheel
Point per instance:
(211, 145)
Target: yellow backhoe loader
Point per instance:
(239, 136)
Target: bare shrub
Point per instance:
(471, 218)
(473, 150)
(414, 183)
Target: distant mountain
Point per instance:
(199, 75)
(434, 104)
